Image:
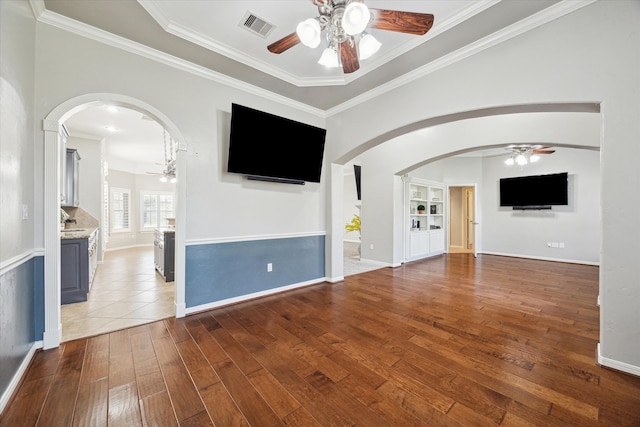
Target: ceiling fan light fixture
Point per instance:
(521, 159)
(309, 32)
(329, 58)
(356, 18)
(163, 178)
(509, 161)
(534, 158)
(368, 45)
(173, 180)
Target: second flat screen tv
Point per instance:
(272, 148)
(535, 192)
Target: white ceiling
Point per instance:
(209, 34)
(218, 26)
(136, 143)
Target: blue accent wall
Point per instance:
(218, 271)
(21, 315)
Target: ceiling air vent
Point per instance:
(256, 25)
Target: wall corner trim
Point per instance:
(617, 365)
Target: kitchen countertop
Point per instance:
(77, 233)
(166, 229)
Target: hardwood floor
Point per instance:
(448, 341)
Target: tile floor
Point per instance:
(126, 292)
(352, 262)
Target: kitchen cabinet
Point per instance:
(70, 196)
(164, 252)
(77, 267)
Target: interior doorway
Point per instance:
(462, 206)
(52, 124)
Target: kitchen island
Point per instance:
(164, 252)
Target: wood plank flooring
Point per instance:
(450, 341)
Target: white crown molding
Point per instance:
(537, 20)
(37, 7)
(96, 34)
(196, 37)
(547, 15)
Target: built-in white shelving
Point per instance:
(425, 219)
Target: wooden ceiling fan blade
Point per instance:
(543, 151)
(284, 43)
(401, 22)
(349, 57)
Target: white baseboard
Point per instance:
(15, 381)
(570, 261)
(254, 295)
(617, 365)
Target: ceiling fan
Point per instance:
(169, 172)
(345, 23)
(521, 154)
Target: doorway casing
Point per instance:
(51, 126)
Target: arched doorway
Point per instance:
(51, 203)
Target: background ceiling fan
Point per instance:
(169, 172)
(522, 154)
(344, 23)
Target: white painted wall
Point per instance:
(562, 61)
(17, 44)
(505, 231)
(420, 147)
(219, 205)
(525, 233)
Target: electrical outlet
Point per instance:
(269, 267)
(371, 246)
(25, 211)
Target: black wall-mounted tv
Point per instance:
(535, 192)
(267, 147)
(357, 171)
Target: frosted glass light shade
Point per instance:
(356, 18)
(521, 159)
(534, 158)
(368, 46)
(329, 58)
(309, 32)
(509, 161)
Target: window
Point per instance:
(155, 208)
(120, 210)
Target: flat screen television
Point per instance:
(535, 192)
(357, 171)
(267, 147)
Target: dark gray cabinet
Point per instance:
(164, 253)
(77, 267)
(74, 270)
(70, 196)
